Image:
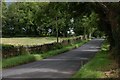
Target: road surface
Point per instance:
(61, 66)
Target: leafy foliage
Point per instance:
(44, 19)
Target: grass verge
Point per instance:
(98, 66)
(22, 59)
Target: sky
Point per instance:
(7, 0)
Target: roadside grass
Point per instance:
(97, 66)
(22, 59)
(31, 40)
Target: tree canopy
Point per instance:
(43, 19)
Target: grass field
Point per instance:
(30, 40)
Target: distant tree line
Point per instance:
(48, 19)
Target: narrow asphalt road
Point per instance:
(60, 66)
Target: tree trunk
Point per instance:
(57, 31)
(90, 35)
(115, 26)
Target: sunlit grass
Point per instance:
(31, 40)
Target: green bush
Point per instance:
(7, 47)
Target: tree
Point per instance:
(108, 22)
(93, 23)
